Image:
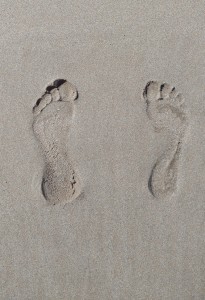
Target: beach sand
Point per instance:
(122, 234)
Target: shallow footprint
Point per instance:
(163, 179)
(53, 114)
(166, 110)
(165, 107)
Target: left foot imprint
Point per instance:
(166, 110)
(53, 114)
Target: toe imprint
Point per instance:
(165, 106)
(166, 110)
(61, 90)
(53, 114)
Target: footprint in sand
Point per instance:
(166, 110)
(53, 114)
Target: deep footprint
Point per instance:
(166, 110)
(53, 114)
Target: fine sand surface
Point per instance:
(102, 161)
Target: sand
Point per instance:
(106, 199)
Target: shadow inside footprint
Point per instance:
(59, 82)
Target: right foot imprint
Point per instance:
(166, 110)
(53, 115)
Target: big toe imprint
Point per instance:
(53, 114)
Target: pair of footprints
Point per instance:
(53, 114)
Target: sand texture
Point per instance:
(102, 160)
